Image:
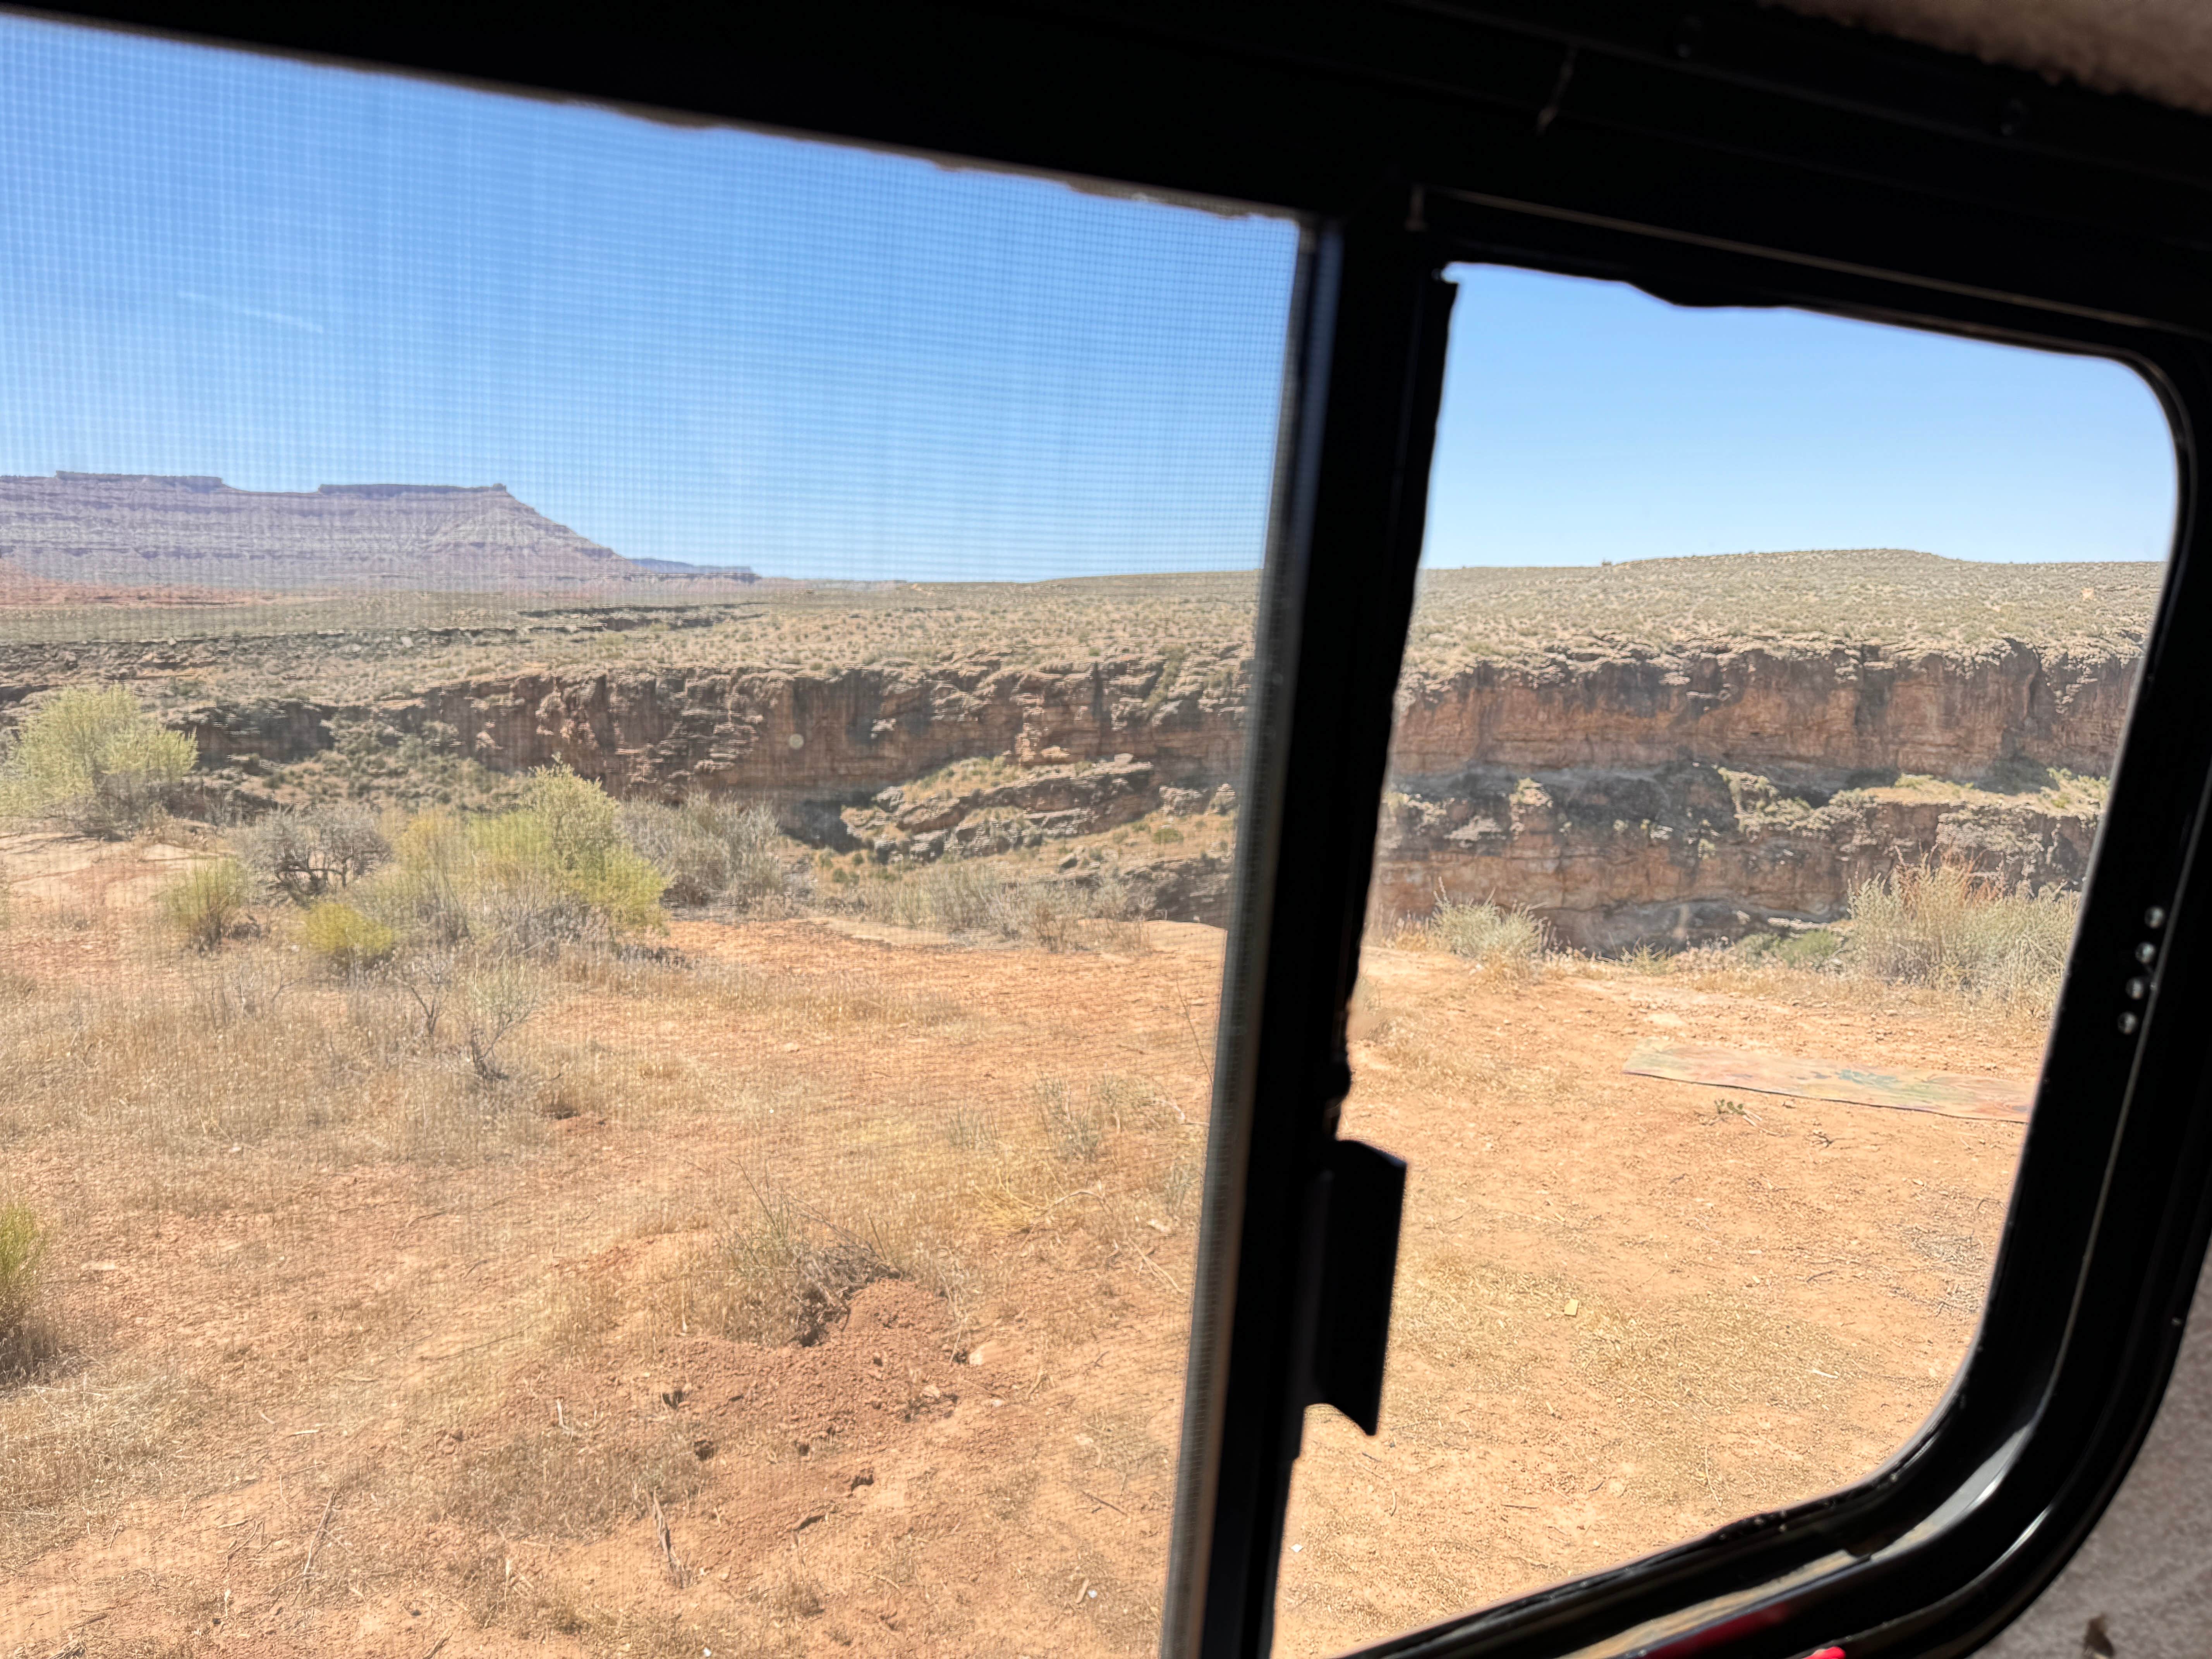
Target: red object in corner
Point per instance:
(1827, 1653)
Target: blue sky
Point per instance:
(733, 347)
(1587, 421)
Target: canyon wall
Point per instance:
(1956, 714)
(847, 731)
(1678, 797)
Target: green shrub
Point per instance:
(346, 940)
(556, 872)
(205, 904)
(1506, 942)
(425, 892)
(570, 829)
(22, 1259)
(1814, 949)
(96, 760)
(1951, 926)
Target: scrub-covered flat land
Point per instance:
(856, 1257)
(659, 1112)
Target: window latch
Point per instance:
(1361, 1194)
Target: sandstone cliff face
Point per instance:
(1689, 854)
(849, 733)
(1829, 713)
(1682, 799)
(1637, 790)
(839, 738)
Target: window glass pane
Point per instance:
(1724, 880)
(619, 744)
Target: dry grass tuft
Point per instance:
(1470, 1316)
(1507, 944)
(206, 904)
(179, 1076)
(1956, 929)
(73, 1451)
(572, 1480)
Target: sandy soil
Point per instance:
(359, 1392)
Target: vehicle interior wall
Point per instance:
(2141, 1585)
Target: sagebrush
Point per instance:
(708, 849)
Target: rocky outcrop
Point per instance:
(1821, 717)
(1679, 799)
(838, 738)
(1627, 792)
(1824, 713)
(124, 529)
(1689, 853)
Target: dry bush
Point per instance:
(1952, 928)
(239, 985)
(498, 996)
(1074, 1127)
(306, 852)
(205, 905)
(975, 896)
(790, 1273)
(1507, 943)
(710, 849)
(339, 1070)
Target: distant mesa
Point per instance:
(678, 570)
(115, 529)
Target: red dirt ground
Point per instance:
(405, 1405)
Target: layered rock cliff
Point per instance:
(1687, 796)
(1658, 779)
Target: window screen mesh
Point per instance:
(619, 772)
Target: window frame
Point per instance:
(1727, 154)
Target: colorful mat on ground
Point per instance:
(1949, 1093)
